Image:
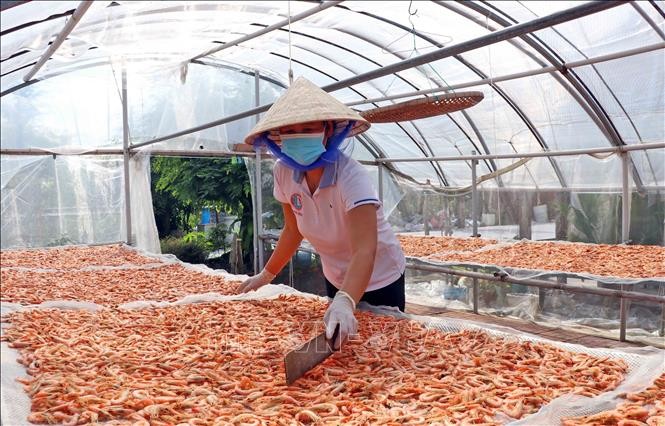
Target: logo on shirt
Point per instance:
(296, 201)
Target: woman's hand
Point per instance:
(257, 281)
(340, 312)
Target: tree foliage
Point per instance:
(186, 185)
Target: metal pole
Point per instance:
(661, 292)
(625, 198)
(650, 21)
(623, 316)
(623, 148)
(42, 151)
(125, 150)
(444, 52)
(476, 295)
(380, 172)
(259, 182)
(291, 269)
(474, 196)
(203, 153)
(515, 76)
(69, 26)
(425, 212)
(275, 26)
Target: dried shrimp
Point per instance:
(222, 364)
(425, 246)
(624, 261)
(73, 257)
(641, 408)
(109, 287)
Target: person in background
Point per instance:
(328, 198)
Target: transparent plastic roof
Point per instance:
(74, 99)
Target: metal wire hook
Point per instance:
(414, 12)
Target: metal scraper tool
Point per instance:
(313, 352)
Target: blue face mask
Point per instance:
(304, 148)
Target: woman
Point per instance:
(328, 198)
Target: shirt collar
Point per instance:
(328, 178)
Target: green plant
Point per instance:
(173, 215)
(217, 237)
(193, 251)
(221, 184)
(197, 237)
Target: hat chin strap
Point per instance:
(330, 156)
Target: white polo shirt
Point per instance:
(323, 218)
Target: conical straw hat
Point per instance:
(304, 102)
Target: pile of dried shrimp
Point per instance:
(73, 257)
(109, 287)
(222, 364)
(641, 408)
(425, 246)
(598, 259)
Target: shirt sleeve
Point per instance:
(278, 175)
(356, 187)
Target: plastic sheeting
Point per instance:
(583, 215)
(64, 200)
(346, 40)
(144, 227)
(47, 201)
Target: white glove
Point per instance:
(340, 312)
(257, 281)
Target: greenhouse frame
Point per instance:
(542, 202)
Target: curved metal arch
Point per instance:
(658, 9)
(435, 165)
(367, 139)
(490, 164)
(441, 178)
(369, 147)
(652, 3)
(31, 23)
(573, 92)
(506, 98)
(609, 129)
(8, 4)
(396, 76)
(241, 69)
(210, 62)
(647, 18)
(56, 73)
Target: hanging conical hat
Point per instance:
(304, 102)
